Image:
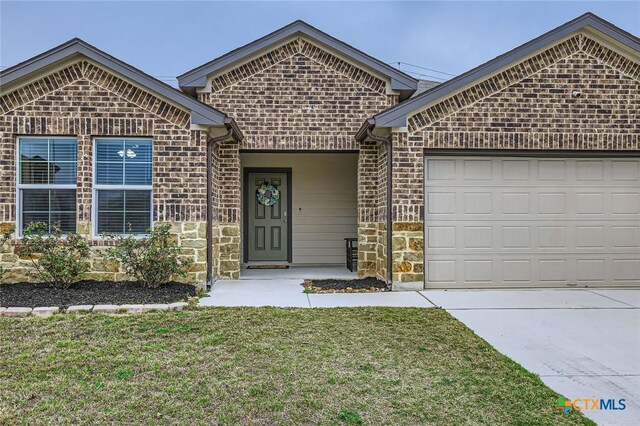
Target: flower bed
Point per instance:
(360, 285)
(93, 293)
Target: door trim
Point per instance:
(245, 208)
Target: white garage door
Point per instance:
(532, 222)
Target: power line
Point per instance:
(422, 68)
(417, 74)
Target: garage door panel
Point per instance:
(442, 203)
(477, 170)
(625, 203)
(478, 237)
(552, 203)
(625, 237)
(516, 170)
(441, 237)
(514, 237)
(591, 271)
(526, 222)
(553, 270)
(589, 170)
(478, 203)
(552, 170)
(625, 170)
(516, 203)
(626, 269)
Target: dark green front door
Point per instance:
(268, 230)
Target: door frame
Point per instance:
(245, 208)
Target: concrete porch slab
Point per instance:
(334, 300)
(284, 293)
(299, 272)
(521, 299)
(630, 297)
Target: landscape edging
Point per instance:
(47, 311)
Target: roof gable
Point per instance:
(197, 78)
(200, 113)
(397, 116)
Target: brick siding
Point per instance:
(85, 101)
(528, 106)
(299, 96)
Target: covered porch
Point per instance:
(294, 209)
(297, 211)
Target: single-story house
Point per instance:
(522, 172)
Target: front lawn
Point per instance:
(263, 366)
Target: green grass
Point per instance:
(264, 366)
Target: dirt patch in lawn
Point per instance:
(360, 285)
(92, 293)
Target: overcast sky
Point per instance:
(166, 39)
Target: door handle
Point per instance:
(285, 217)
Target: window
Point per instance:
(122, 185)
(47, 170)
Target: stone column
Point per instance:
(228, 179)
(367, 209)
(407, 213)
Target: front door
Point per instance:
(268, 228)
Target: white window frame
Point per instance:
(96, 187)
(20, 186)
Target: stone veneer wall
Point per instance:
(86, 101)
(528, 106)
(191, 236)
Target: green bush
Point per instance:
(5, 234)
(150, 259)
(58, 259)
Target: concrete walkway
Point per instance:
(289, 293)
(582, 343)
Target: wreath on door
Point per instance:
(267, 194)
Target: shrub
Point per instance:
(5, 233)
(151, 259)
(58, 259)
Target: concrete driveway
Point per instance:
(582, 343)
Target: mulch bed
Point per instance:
(31, 295)
(360, 285)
